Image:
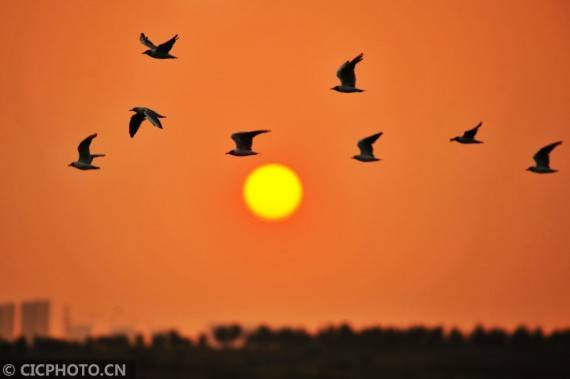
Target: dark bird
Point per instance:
(366, 149)
(142, 113)
(347, 77)
(468, 136)
(161, 51)
(244, 141)
(85, 157)
(542, 159)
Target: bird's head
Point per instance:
(72, 164)
(530, 168)
(231, 152)
(453, 139)
(132, 110)
(354, 157)
(336, 88)
(147, 52)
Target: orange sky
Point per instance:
(434, 233)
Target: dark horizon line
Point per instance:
(233, 332)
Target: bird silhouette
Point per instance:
(542, 159)
(366, 149)
(244, 141)
(85, 157)
(347, 76)
(142, 113)
(469, 136)
(161, 51)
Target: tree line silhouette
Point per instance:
(231, 351)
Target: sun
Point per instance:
(273, 191)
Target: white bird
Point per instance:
(244, 141)
(85, 157)
(542, 159)
(468, 136)
(161, 51)
(366, 149)
(142, 113)
(347, 76)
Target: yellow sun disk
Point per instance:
(273, 191)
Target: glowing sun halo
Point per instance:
(273, 191)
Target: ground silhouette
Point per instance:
(334, 352)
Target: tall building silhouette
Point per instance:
(7, 321)
(35, 319)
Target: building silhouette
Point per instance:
(74, 332)
(7, 321)
(35, 319)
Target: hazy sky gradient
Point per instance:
(434, 233)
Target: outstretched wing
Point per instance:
(135, 123)
(83, 149)
(365, 144)
(244, 140)
(153, 117)
(470, 134)
(145, 41)
(542, 156)
(346, 72)
(165, 47)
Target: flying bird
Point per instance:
(542, 159)
(142, 113)
(243, 141)
(366, 149)
(85, 157)
(469, 136)
(161, 51)
(347, 77)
